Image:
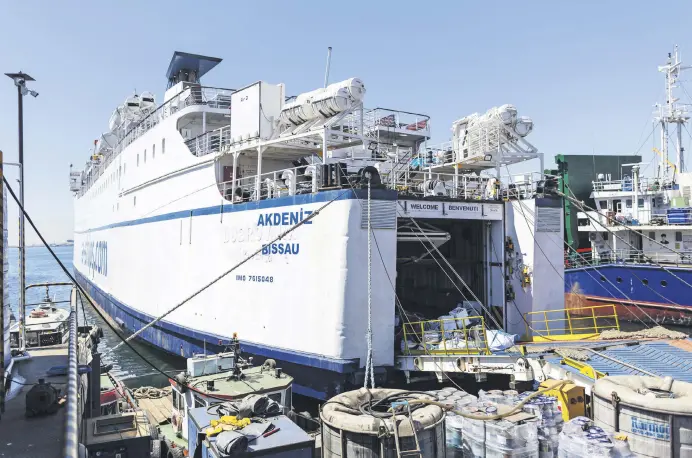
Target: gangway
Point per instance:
(542, 359)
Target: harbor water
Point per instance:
(129, 367)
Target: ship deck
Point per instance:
(595, 359)
(657, 357)
(39, 436)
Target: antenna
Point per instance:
(329, 63)
(672, 113)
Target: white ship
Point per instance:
(175, 195)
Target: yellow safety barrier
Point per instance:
(450, 336)
(577, 323)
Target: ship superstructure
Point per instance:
(641, 228)
(176, 195)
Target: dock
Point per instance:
(53, 429)
(40, 436)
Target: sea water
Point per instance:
(42, 268)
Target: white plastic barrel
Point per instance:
(348, 433)
(655, 413)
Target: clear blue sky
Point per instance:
(584, 71)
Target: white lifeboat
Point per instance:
(116, 118)
(147, 102)
(324, 102)
(107, 141)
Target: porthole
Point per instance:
(619, 279)
(664, 283)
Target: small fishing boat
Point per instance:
(46, 323)
(210, 380)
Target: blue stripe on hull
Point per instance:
(315, 376)
(300, 199)
(641, 283)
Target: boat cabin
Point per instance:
(211, 379)
(46, 323)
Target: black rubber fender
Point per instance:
(175, 452)
(155, 448)
(374, 174)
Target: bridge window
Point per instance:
(137, 159)
(678, 236)
(640, 203)
(628, 203)
(163, 146)
(153, 151)
(145, 156)
(603, 204)
(134, 201)
(177, 404)
(664, 283)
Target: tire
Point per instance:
(156, 449)
(153, 431)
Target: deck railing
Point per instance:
(210, 142)
(588, 259)
(269, 185)
(576, 323)
(212, 97)
(384, 118)
(74, 405)
(627, 185)
(449, 336)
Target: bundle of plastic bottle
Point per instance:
(497, 438)
(544, 408)
(581, 438)
(457, 397)
(453, 423)
(453, 434)
(550, 422)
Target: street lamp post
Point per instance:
(20, 80)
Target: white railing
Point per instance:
(215, 98)
(210, 142)
(574, 260)
(278, 183)
(383, 118)
(644, 217)
(627, 185)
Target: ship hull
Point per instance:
(301, 303)
(640, 292)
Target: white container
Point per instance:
(656, 426)
(473, 446)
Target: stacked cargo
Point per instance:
(581, 438)
(550, 423)
(453, 423)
